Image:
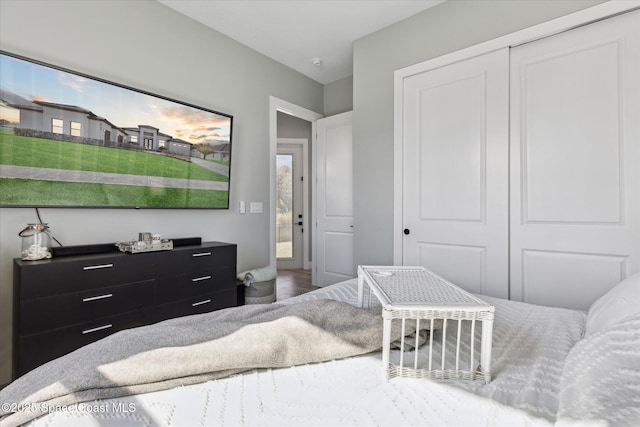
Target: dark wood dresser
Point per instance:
(64, 303)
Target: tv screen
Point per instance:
(71, 140)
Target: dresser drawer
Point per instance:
(199, 304)
(192, 284)
(54, 277)
(197, 259)
(36, 349)
(44, 314)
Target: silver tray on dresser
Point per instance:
(139, 246)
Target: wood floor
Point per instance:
(293, 282)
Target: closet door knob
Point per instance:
(407, 231)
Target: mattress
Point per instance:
(530, 346)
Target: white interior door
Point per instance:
(333, 254)
(290, 206)
(575, 162)
(455, 172)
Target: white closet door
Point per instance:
(575, 161)
(455, 172)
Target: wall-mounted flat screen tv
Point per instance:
(71, 140)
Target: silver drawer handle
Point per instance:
(99, 328)
(202, 254)
(96, 267)
(97, 298)
(207, 301)
(197, 279)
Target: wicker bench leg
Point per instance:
(485, 349)
(360, 289)
(386, 343)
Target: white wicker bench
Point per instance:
(417, 293)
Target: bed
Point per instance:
(550, 366)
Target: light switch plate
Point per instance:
(255, 207)
(242, 207)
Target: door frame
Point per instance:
(306, 220)
(280, 105)
(558, 25)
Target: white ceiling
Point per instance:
(293, 32)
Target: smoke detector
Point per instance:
(317, 62)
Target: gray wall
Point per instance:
(446, 28)
(293, 127)
(169, 55)
(338, 96)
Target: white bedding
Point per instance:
(530, 346)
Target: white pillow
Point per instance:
(619, 303)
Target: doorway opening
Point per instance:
(286, 123)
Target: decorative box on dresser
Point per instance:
(66, 302)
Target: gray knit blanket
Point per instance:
(196, 349)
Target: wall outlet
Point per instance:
(255, 207)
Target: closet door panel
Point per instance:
(448, 259)
(575, 155)
(574, 280)
(455, 167)
(571, 138)
(452, 150)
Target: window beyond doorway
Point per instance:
(284, 206)
(290, 202)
